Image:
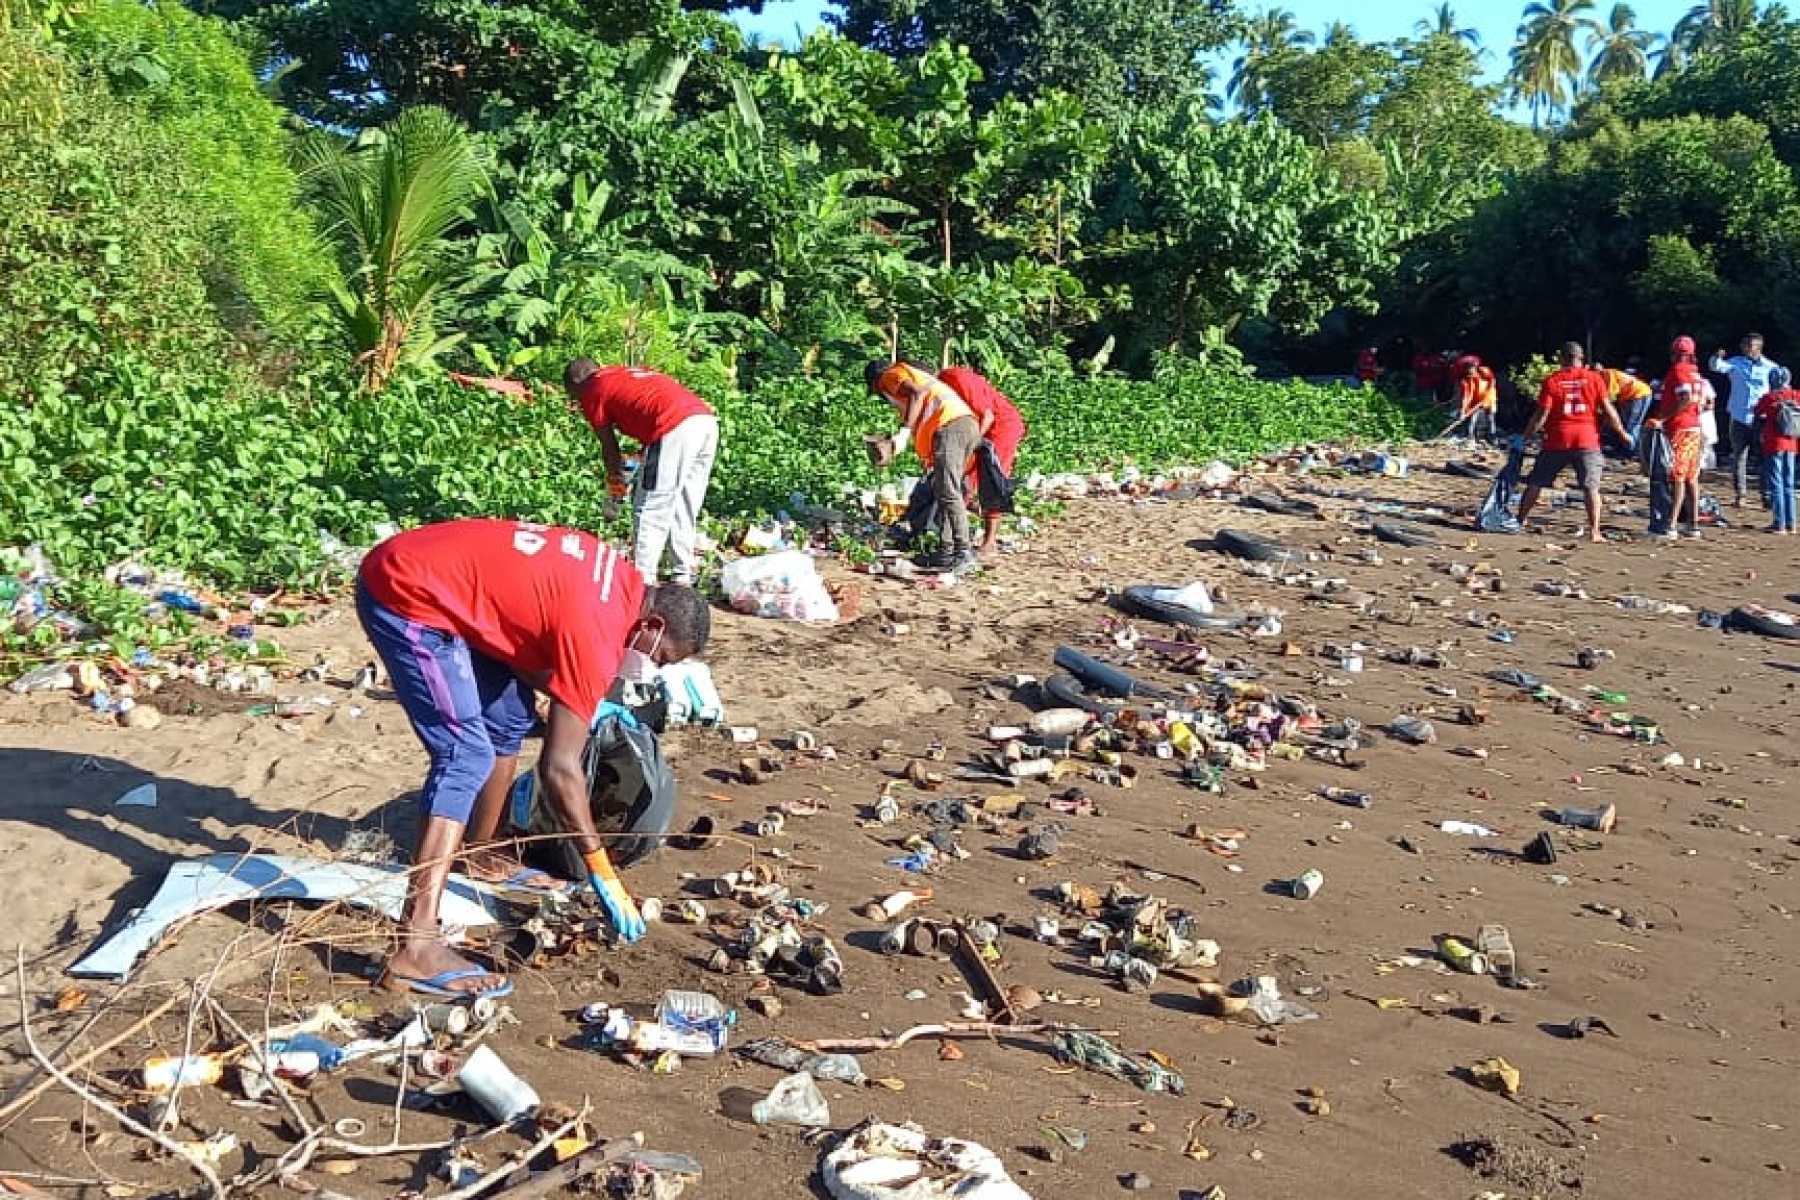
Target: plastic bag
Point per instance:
(631, 790)
(903, 1162)
(1194, 596)
(785, 585)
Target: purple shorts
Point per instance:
(467, 708)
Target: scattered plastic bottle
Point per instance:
(1415, 730)
(783, 1056)
(50, 677)
(1347, 797)
(796, 1100)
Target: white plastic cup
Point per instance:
(494, 1088)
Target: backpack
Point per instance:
(1787, 419)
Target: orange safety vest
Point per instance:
(942, 403)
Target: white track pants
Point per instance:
(671, 492)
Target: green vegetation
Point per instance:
(245, 240)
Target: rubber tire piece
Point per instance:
(1067, 690)
(1280, 505)
(1141, 600)
(1743, 618)
(1467, 470)
(1401, 535)
(1248, 545)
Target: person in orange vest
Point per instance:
(1480, 395)
(944, 434)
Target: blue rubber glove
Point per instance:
(609, 708)
(620, 908)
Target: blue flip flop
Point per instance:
(438, 985)
(520, 880)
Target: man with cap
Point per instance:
(1685, 396)
(1569, 408)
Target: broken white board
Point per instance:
(218, 880)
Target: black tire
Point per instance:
(1141, 600)
(1402, 535)
(1272, 502)
(1762, 620)
(1241, 544)
(1067, 690)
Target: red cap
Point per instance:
(1683, 347)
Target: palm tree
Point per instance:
(1714, 25)
(1621, 50)
(1672, 59)
(1546, 67)
(1270, 32)
(1442, 23)
(1338, 33)
(392, 196)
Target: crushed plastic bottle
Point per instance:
(1415, 730)
(50, 677)
(796, 1100)
(1269, 1006)
(784, 1056)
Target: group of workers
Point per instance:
(1679, 413)
(474, 618)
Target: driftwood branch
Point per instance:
(955, 1029)
(58, 1075)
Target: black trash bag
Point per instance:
(992, 483)
(631, 791)
(1495, 514)
(994, 488)
(1658, 459)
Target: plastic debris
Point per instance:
(1414, 730)
(1266, 1003)
(1497, 1075)
(877, 1161)
(785, 584)
(796, 1100)
(1097, 1054)
(1465, 829)
(141, 796)
(784, 1056)
(491, 1084)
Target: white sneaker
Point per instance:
(1692, 535)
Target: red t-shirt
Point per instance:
(642, 405)
(1773, 442)
(982, 398)
(534, 597)
(1572, 398)
(1428, 369)
(1682, 390)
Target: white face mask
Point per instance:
(637, 667)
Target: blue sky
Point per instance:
(1383, 20)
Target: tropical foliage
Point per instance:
(247, 242)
